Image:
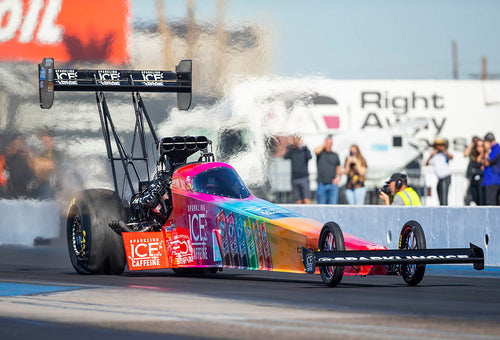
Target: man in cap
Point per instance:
(439, 159)
(401, 193)
(491, 179)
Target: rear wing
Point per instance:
(52, 79)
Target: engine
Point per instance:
(155, 202)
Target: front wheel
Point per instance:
(331, 239)
(412, 237)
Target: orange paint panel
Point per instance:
(145, 250)
(66, 30)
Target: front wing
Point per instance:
(317, 258)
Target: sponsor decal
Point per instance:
(90, 30)
(41, 84)
(152, 78)
(145, 250)
(108, 77)
(310, 263)
(390, 258)
(250, 241)
(181, 250)
(375, 247)
(42, 73)
(197, 229)
(66, 77)
(216, 247)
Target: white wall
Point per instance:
(21, 221)
(444, 227)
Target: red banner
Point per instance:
(66, 30)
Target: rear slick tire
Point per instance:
(331, 239)
(94, 248)
(412, 237)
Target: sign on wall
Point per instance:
(90, 30)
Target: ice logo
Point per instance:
(42, 73)
(222, 227)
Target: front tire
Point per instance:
(94, 248)
(331, 239)
(412, 237)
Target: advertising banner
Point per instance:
(65, 30)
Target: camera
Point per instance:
(387, 189)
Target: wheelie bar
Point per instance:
(316, 258)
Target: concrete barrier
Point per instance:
(21, 221)
(444, 227)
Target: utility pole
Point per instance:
(166, 36)
(484, 69)
(455, 58)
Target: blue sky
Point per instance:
(362, 39)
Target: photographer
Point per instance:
(398, 192)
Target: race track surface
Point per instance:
(41, 294)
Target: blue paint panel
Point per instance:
(258, 207)
(11, 289)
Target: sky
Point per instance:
(361, 39)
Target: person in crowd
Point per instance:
(299, 155)
(491, 179)
(47, 165)
(3, 171)
(401, 193)
(355, 167)
(475, 152)
(439, 159)
(18, 167)
(470, 147)
(329, 172)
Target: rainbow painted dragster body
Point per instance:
(206, 230)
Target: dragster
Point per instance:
(199, 216)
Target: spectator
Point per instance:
(491, 179)
(355, 168)
(299, 155)
(47, 165)
(18, 159)
(470, 147)
(329, 172)
(475, 152)
(3, 170)
(439, 159)
(401, 193)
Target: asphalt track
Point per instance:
(41, 294)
